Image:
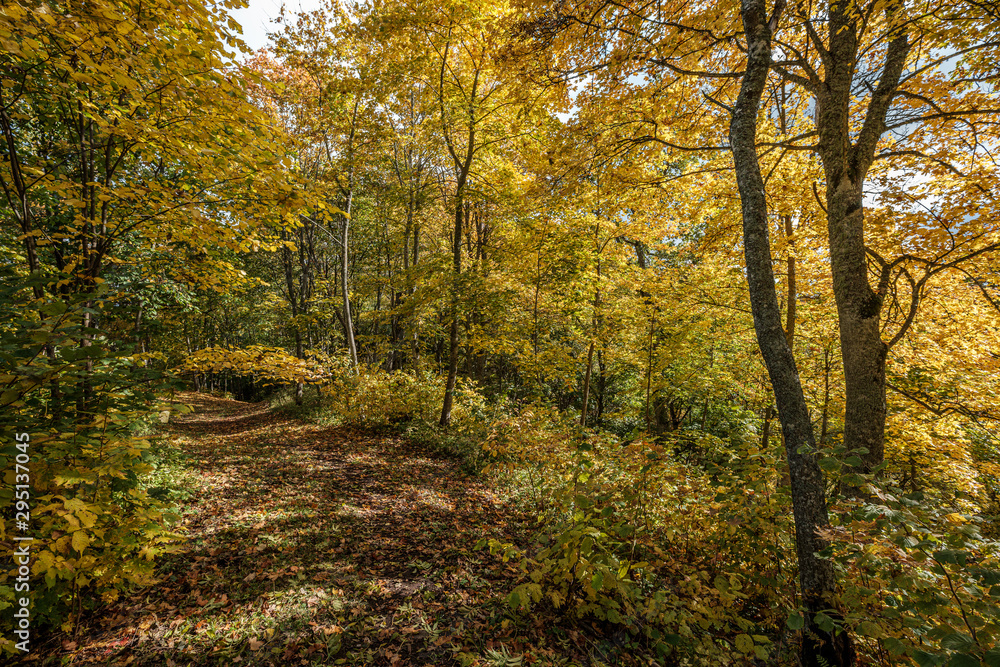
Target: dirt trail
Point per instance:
(312, 545)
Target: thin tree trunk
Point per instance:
(293, 303)
(602, 385)
(595, 322)
(415, 338)
(649, 367)
(765, 435)
(344, 277)
(817, 578)
(824, 423)
(449, 390)
(586, 384)
(462, 165)
(790, 301)
(299, 354)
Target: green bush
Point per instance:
(375, 398)
(95, 530)
(629, 537)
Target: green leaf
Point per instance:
(868, 629)
(957, 642)
(988, 577)
(955, 556)
(744, 643)
(824, 622)
(57, 307)
(829, 464)
(964, 660)
(796, 621)
(992, 657)
(894, 646)
(663, 649)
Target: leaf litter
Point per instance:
(314, 545)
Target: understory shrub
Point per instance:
(376, 398)
(634, 538)
(73, 471)
(699, 559)
(920, 580)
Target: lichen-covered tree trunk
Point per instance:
(817, 578)
(846, 165)
(858, 310)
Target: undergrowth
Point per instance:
(682, 546)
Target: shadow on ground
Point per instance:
(316, 545)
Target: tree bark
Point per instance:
(817, 578)
(846, 165)
(791, 296)
(449, 389)
(344, 273)
(415, 338)
(462, 162)
(586, 384)
(293, 302)
(345, 226)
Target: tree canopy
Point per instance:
(715, 286)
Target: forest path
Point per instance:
(314, 545)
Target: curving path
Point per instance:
(309, 545)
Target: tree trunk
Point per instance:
(861, 346)
(586, 384)
(293, 303)
(649, 367)
(825, 419)
(817, 578)
(845, 166)
(790, 301)
(344, 267)
(462, 165)
(765, 432)
(449, 390)
(602, 385)
(595, 323)
(347, 192)
(299, 354)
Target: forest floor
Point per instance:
(311, 545)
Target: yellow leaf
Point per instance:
(45, 560)
(80, 540)
(74, 504)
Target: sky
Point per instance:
(256, 19)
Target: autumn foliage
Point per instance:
(710, 292)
